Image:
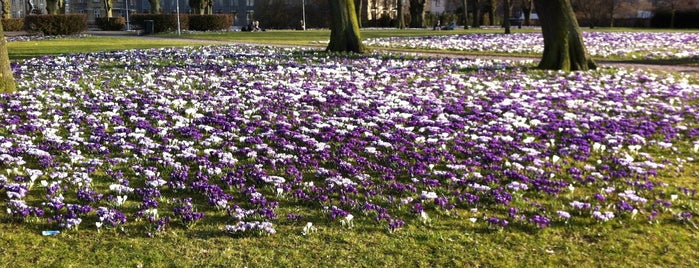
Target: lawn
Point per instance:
(258, 156)
(38, 48)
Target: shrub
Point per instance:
(64, 24)
(162, 22)
(13, 25)
(111, 24)
(210, 22)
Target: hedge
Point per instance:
(13, 25)
(162, 22)
(111, 24)
(210, 22)
(683, 19)
(64, 24)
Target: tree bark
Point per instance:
(564, 48)
(344, 30)
(417, 13)
(6, 9)
(506, 17)
(7, 81)
(358, 7)
(51, 7)
(155, 6)
(465, 2)
(477, 15)
(108, 7)
(492, 8)
(401, 15)
(527, 10)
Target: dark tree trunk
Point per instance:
(477, 15)
(492, 6)
(563, 43)
(417, 13)
(506, 17)
(155, 6)
(344, 30)
(401, 15)
(52, 7)
(527, 10)
(6, 9)
(358, 8)
(465, 2)
(7, 81)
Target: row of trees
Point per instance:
(563, 44)
(283, 14)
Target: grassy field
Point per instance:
(31, 49)
(448, 241)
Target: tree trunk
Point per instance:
(401, 15)
(417, 13)
(492, 7)
(6, 9)
(358, 4)
(51, 7)
(506, 17)
(612, 10)
(672, 17)
(108, 7)
(465, 2)
(527, 10)
(344, 30)
(155, 6)
(477, 15)
(564, 48)
(7, 81)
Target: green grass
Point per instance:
(449, 242)
(30, 49)
(313, 37)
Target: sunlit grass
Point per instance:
(31, 49)
(449, 240)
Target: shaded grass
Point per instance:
(448, 242)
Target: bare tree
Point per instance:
(491, 7)
(477, 14)
(594, 12)
(108, 7)
(358, 4)
(564, 48)
(506, 17)
(155, 7)
(527, 6)
(465, 3)
(401, 14)
(6, 9)
(344, 30)
(417, 13)
(673, 6)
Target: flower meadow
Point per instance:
(641, 45)
(248, 139)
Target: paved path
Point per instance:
(690, 70)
